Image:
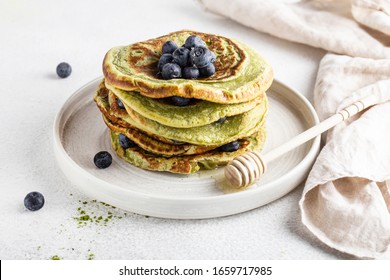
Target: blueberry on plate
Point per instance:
(193, 41)
(207, 71)
(230, 147)
(201, 56)
(125, 142)
(164, 59)
(180, 101)
(171, 71)
(221, 120)
(34, 201)
(64, 70)
(102, 159)
(120, 104)
(169, 47)
(181, 56)
(190, 72)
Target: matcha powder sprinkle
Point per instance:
(94, 212)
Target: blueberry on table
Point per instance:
(180, 101)
(120, 104)
(190, 73)
(201, 56)
(34, 201)
(207, 71)
(63, 70)
(230, 147)
(181, 56)
(125, 142)
(171, 71)
(193, 41)
(164, 59)
(169, 47)
(102, 159)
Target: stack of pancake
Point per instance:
(226, 110)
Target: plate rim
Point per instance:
(63, 158)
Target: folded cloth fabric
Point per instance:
(326, 24)
(346, 199)
(374, 14)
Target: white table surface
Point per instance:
(35, 37)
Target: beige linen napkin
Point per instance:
(346, 200)
(326, 24)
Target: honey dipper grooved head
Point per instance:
(233, 176)
(245, 169)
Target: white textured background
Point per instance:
(34, 37)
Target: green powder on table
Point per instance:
(86, 213)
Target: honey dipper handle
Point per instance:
(247, 168)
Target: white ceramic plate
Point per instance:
(79, 133)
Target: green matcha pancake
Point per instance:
(214, 134)
(241, 74)
(156, 147)
(231, 129)
(185, 164)
(197, 113)
(101, 99)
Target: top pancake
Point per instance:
(241, 74)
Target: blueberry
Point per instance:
(180, 101)
(180, 56)
(230, 147)
(125, 142)
(190, 72)
(201, 56)
(164, 59)
(221, 120)
(34, 201)
(207, 71)
(169, 47)
(102, 159)
(193, 41)
(120, 104)
(170, 71)
(63, 70)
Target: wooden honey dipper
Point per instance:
(247, 168)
